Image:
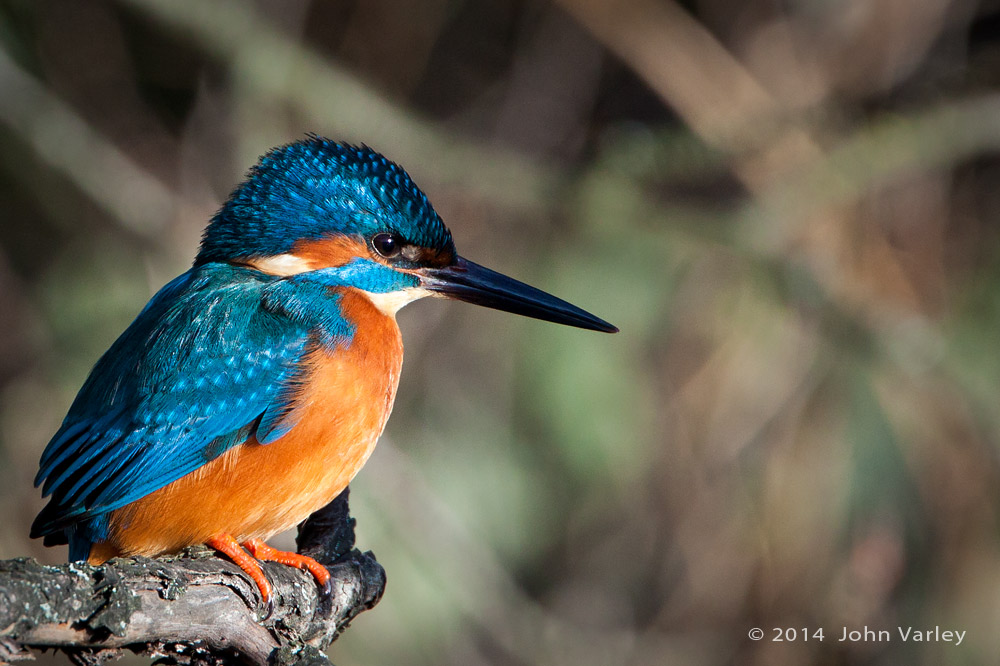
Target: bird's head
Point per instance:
(317, 205)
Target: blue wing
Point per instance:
(210, 361)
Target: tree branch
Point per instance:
(194, 608)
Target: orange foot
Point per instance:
(227, 545)
(263, 552)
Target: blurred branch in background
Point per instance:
(789, 209)
(271, 66)
(137, 200)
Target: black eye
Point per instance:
(386, 244)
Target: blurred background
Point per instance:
(789, 208)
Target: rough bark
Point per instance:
(193, 608)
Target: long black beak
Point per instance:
(472, 283)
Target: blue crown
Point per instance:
(315, 188)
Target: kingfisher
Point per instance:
(251, 389)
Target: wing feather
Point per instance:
(207, 359)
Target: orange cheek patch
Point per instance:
(328, 252)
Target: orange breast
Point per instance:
(255, 490)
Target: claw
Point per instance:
(326, 590)
(268, 609)
(325, 598)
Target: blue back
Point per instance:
(209, 362)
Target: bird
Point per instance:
(251, 389)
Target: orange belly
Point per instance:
(255, 490)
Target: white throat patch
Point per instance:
(389, 303)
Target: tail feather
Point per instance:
(79, 546)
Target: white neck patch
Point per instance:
(282, 264)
